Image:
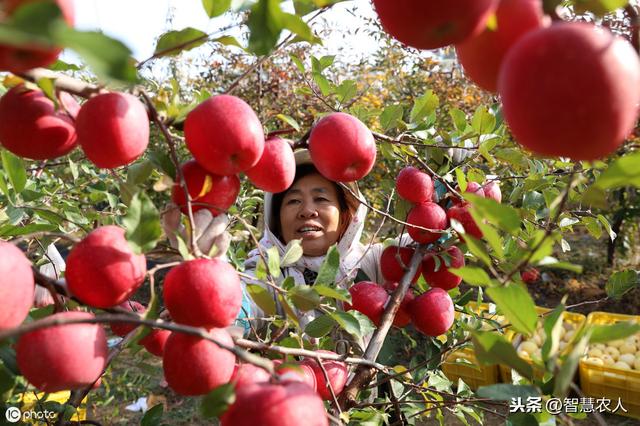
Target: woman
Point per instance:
(320, 213)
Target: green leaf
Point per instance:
(228, 41)
(346, 90)
(622, 172)
(483, 121)
(621, 282)
(552, 262)
(607, 226)
(298, 62)
(290, 121)
(138, 173)
(320, 326)
(293, 253)
(107, 57)
(501, 215)
(273, 260)
(492, 348)
(515, 302)
(304, 298)
(262, 298)
(7, 382)
(153, 416)
(472, 275)
(598, 7)
(348, 322)
(217, 401)
(216, 7)
(142, 224)
(325, 85)
(173, 42)
(552, 327)
(505, 392)
(606, 333)
(390, 117)
(568, 369)
(459, 119)
(329, 268)
(14, 167)
(332, 292)
(424, 106)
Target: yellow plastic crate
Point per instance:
(611, 382)
(29, 400)
(578, 320)
(463, 364)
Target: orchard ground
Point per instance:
(139, 374)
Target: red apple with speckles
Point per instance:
(342, 147)
(267, 404)
(207, 191)
(122, 328)
(63, 357)
(276, 169)
(481, 56)
(19, 59)
(17, 287)
(224, 135)
(155, 341)
(203, 293)
(427, 215)
(492, 190)
(432, 312)
(247, 374)
(433, 24)
(441, 277)
(460, 213)
(32, 127)
(369, 299)
(102, 270)
(570, 90)
(336, 371)
(194, 366)
(113, 129)
(414, 185)
(392, 269)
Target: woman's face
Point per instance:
(311, 211)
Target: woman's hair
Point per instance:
(346, 202)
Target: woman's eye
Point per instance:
(321, 199)
(292, 201)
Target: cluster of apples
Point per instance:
(622, 354)
(530, 348)
(556, 103)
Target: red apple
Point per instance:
(247, 374)
(342, 147)
(17, 287)
(460, 212)
(414, 185)
(123, 328)
(113, 129)
(432, 312)
(276, 169)
(63, 357)
(481, 56)
(19, 59)
(442, 278)
(31, 127)
(194, 366)
(403, 316)
(203, 293)
(492, 190)
(298, 373)
(155, 341)
(224, 135)
(266, 404)
(220, 192)
(530, 276)
(392, 270)
(336, 371)
(368, 298)
(580, 105)
(428, 215)
(433, 24)
(102, 270)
